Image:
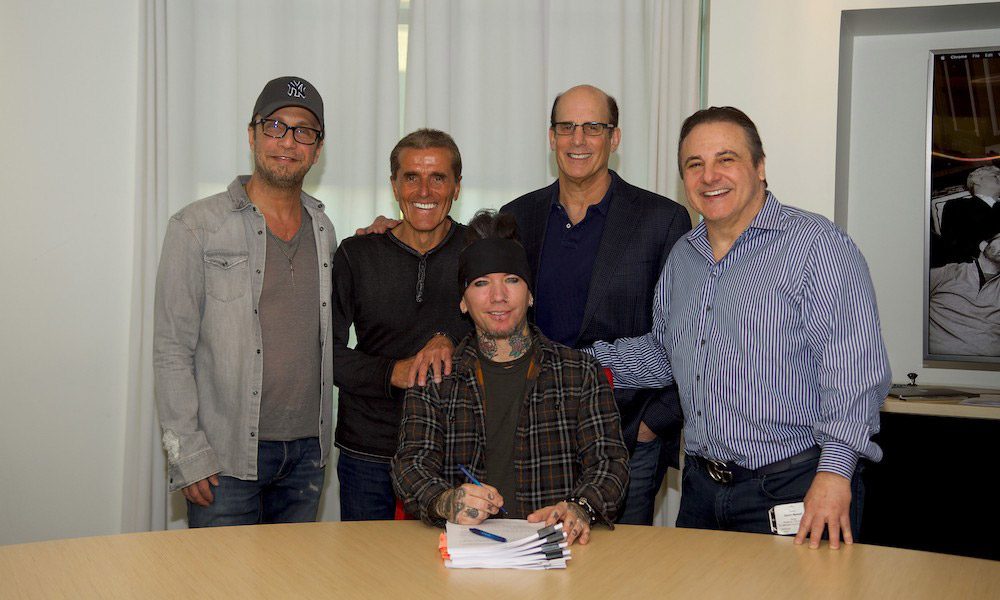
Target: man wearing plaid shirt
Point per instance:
(533, 420)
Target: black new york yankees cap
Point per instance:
(288, 91)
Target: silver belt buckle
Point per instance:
(718, 471)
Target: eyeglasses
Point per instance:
(591, 128)
(276, 129)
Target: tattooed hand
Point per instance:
(575, 520)
(468, 504)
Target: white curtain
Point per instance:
(487, 73)
(144, 494)
(202, 64)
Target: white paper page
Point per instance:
(518, 532)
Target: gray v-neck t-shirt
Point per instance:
(289, 326)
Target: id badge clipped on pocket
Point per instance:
(785, 518)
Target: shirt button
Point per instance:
(252, 434)
(258, 350)
(258, 271)
(696, 378)
(255, 392)
(702, 342)
(569, 225)
(699, 413)
(324, 304)
(321, 229)
(260, 232)
(325, 265)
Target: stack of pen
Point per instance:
(505, 544)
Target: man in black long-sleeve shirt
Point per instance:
(398, 290)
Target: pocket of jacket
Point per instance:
(226, 275)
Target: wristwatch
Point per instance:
(585, 504)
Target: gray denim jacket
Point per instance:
(207, 359)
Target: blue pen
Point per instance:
(487, 534)
(475, 481)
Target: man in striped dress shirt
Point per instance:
(765, 316)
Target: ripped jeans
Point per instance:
(289, 482)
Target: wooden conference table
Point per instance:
(400, 560)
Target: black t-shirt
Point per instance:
(503, 388)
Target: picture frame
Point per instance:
(962, 209)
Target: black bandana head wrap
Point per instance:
(492, 255)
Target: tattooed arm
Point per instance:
(468, 504)
(418, 469)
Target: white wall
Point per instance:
(778, 60)
(68, 95)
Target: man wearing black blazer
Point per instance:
(596, 245)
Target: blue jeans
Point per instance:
(647, 467)
(287, 490)
(365, 489)
(744, 506)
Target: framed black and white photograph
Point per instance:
(962, 251)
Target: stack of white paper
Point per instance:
(529, 546)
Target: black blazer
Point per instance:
(640, 229)
(965, 222)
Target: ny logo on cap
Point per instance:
(297, 89)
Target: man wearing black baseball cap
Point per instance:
(242, 352)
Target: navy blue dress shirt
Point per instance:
(565, 268)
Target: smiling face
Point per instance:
(720, 178)
(583, 158)
(282, 162)
(425, 186)
(498, 304)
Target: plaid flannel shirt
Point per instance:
(567, 443)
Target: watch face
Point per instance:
(585, 504)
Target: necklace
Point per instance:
(293, 244)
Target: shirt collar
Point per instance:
(990, 200)
(769, 217)
(983, 279)
(238, 194)
(467, 353)
(601, 206)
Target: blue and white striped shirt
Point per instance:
(775, 348)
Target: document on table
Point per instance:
(528, 546)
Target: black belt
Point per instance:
(730, 472)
